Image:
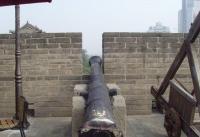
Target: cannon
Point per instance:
(99, 121)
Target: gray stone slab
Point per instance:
(137, 126)
(78, 109)
(79, 88)
(119, 113)
(44, 127)
(82, 88)
(146, 126)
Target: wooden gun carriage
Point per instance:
(181, 106)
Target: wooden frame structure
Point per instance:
(181, 106)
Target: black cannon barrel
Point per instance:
(99, 120)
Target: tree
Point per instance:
(85, 58)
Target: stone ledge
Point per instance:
(139, 34)
(82, 88)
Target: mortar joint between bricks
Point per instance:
(168, 45)
(70, 40)
(71, 52)
(115, 39)
(158, 40)
(59, 45)
(47, 41)
(136, 40)
(156, 50)
(147, 44)
(179, 40)
(125, 70)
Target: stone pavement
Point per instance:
(137, 126)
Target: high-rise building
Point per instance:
(187, 14)
(159, 28)
(180, 21)
(196, 8)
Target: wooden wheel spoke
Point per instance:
(172, 123)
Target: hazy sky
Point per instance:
(93, 17)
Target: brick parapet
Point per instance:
(136, 61)
(51, 66)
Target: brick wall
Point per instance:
(51, 65)
(135, 61)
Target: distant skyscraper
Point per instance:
(196, 8)
(159, 28)
(187, 14)
(180, 21)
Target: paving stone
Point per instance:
(137, 126)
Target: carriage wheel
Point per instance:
(172, 123)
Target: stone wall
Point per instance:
(136, 61)
(51, 65)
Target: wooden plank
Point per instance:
(183, 102)
(190, 131)
(10, 123)
(1, 126)
(15, 122)
(4, 124)
(18, 2)
(195, 72)
(7, 124)
(181, 90)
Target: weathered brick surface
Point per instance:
(51, 65)
(135, 61)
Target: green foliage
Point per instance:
(86, 66)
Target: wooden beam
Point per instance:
(17, 2)
(173, 68)
(195, 71)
